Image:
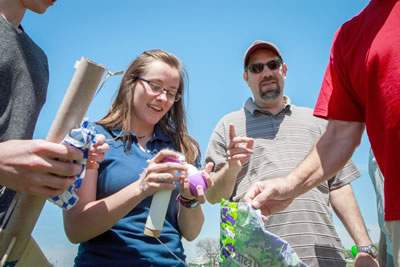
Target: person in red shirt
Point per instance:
(361, 89)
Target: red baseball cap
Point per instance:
(258, 45)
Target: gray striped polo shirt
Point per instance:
(281, 142)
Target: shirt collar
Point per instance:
(159, 134)
(251, 106)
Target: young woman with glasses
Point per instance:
(146, 124)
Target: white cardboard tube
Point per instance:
(77, 99)
(159, 206)
(158, 210)
(73, 108)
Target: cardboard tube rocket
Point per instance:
(159, 207)
(159, 204)
(70, 114)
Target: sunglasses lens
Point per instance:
(259, 67)
(256, 68)
(274, 64)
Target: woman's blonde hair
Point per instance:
(173, 124)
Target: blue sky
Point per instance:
(210, 37)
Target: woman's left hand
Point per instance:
(184, 185)
(96, 152)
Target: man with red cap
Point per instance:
(267, 138)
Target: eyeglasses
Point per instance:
(259, 67)
(158, 89)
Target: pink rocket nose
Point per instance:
(195, 180)
(180, 159)
(171, 160)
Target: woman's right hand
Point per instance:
(160, 175)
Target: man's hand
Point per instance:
(239, 149)
(238, 153)
(38, 167)
(365, 260)
(270, 196)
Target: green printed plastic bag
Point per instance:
(245, 242)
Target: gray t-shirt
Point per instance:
(281, 142)
(24, 78)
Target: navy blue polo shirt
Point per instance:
(125, 244)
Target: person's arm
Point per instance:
(346, 208)
(190, 220)
(327, 157)
(38, 167)
(90, 217)
(239, 151)
(224, 183)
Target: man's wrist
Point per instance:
(293, 183)
(232, 170)
(369, 249)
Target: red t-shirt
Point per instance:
(362, 83)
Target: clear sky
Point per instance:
(210, 37)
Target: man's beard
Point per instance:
(270, 94)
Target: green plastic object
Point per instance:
(245, 242)
(354, 251)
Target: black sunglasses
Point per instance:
(259, 67)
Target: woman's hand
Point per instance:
(184, 185)
(96, 152)
(160, 175)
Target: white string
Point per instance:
(110, 140)
(9, 248)
(170, 251)
(9, 211)
(109, 74)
